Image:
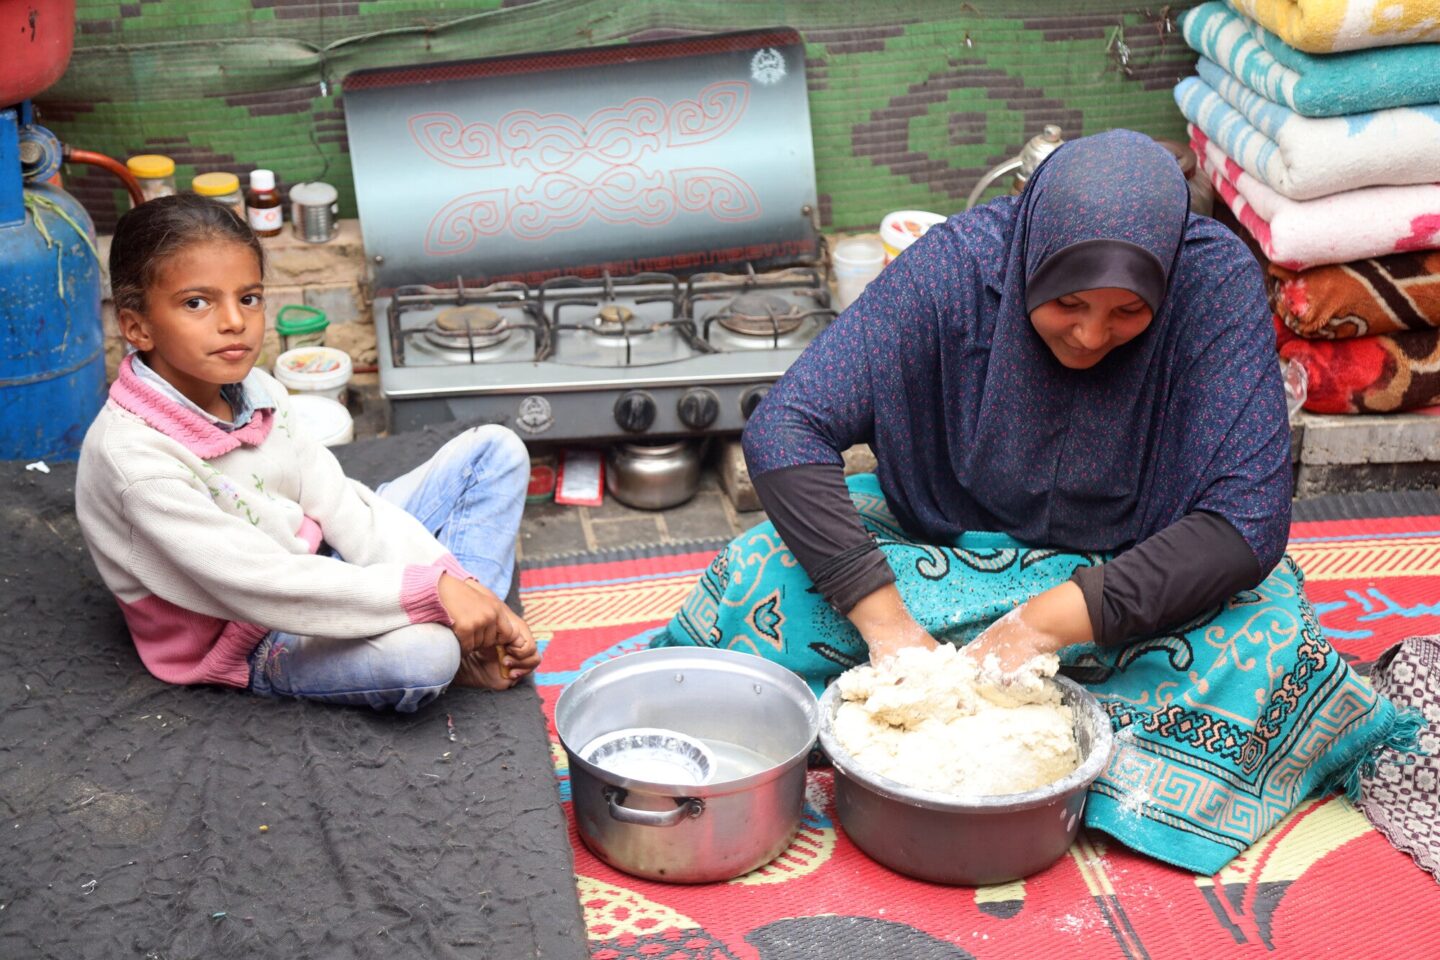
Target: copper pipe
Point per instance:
(72, 155)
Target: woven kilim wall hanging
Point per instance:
(911, 101)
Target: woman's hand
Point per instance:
(1046, 623)
(886, 625)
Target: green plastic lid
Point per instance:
(295, 318)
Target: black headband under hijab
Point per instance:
(1091, 222)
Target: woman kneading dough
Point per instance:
(1077, 414)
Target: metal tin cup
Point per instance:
(315, 211)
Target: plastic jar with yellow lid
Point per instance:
(156, 173)
(222, 187)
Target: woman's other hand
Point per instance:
(886, 625)
(1046, 623)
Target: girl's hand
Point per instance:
(478, 615)
(887, 626)
(502, 663)
(520, 655)
(1046, 623)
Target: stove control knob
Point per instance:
(635, 411)
(750, 399)
(698, 408)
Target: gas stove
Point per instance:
(598, 358)
(621, 244)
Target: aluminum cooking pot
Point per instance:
(757, 719)
(967, 840)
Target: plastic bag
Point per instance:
(1297, 381)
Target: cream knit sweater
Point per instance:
(208, 539)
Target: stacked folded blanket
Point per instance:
(1318, 122)
(1306, 157)
(1353, 225)
(1313, 86)
(1385, 373)
(1363, 297)
(1330, 26)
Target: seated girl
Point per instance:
(239, 552)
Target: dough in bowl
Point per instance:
(939, 721)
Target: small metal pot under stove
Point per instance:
(654, 476)
(756, 721)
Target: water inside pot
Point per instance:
(753, 716)
(732, 761)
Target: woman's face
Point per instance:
(1081, 327)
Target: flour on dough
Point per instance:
(937, 720)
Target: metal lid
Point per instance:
(674, 155)
(655, 451)
(313, 194)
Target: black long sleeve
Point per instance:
(811, 509)
(1192, 565)
(1188, 567)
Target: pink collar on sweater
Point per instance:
(199, 436)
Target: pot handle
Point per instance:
(689, 808)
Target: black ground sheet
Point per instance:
(160, 822)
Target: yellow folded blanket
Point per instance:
(1329, 26)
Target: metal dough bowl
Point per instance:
(755, 720)
(969, 841)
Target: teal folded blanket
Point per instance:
(1314, 85)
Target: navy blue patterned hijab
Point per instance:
(976, 425)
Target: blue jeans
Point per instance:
(470, 495)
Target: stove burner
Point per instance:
(485, 326)
(759, 314)
(613, 318)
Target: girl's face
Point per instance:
(204, 319)
(1081, 328)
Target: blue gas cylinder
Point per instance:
(52, 354)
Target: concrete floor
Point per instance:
(550, 529)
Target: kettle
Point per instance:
(1040, 146)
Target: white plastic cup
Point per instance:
(325, 420)
(322, 371)
(857, 261)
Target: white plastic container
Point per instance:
(903, 227)
(322, 371)
(326, 420)
(857, 261)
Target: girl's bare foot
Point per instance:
(482, 668)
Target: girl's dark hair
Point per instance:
(152, 232)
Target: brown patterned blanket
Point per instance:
(1388, 294)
